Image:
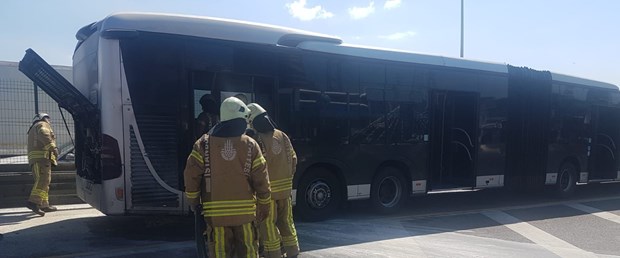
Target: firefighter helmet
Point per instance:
(255, 110)
(232, 108)
(40, 116)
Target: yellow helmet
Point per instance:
(232, 108)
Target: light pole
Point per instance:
(462, 21)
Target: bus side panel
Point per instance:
(567, 129)
(89, 192)
(529, 94)
(113, 183)
(492, 132)
(150, 114)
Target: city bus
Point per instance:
(366, 123)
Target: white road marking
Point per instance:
(596, 212)
(505, 207)
(538, 236)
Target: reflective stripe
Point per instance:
(281, 181)
(281, 185)
(272, 243)
(229, 208)
(292, 239)
(231, 203)
(258, 162)
(264, 200)
(232, 212)
(281, 189)
(37, 176)
(196, 155)
(38, 155)
(218, 236)
(41, 193)
(289, 240)
(272, 246)
(192, 195)
(248, 240)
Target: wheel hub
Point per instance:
(389, 191)
(318, 194)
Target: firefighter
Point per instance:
(278, 228)
(227, 172)
(42, 155)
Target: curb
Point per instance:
(64, 166)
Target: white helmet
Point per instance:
(255, 110)
(40, 116)
(232, 108)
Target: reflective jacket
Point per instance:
(236, 178)
(41, 143)
(281, 161)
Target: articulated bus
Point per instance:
(366, 123)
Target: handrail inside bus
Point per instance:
(465, 147)
(611, 140)
(466, 134)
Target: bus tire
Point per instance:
(387, 192)
(319, 195)
(567, 180)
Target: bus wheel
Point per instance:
(318, 195)
(387, 191)
(567, 180)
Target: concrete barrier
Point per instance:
(62, 166)
(15, 186)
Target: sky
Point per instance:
(573, 37)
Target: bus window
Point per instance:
(370, 127)
(246, 97)
(264, 94)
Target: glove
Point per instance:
(262, 212)
(54, 156)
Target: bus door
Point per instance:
(454, 118)
(603, 144)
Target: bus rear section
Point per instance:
(86, 116)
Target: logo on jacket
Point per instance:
(228, 152)
(276, 147)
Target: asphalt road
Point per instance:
(490, 223)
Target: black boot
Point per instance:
(35, 208)
(49, 209)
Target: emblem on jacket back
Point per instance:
(228, 152)
(276, 147)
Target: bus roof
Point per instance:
(235, 30)
(402, 56)
(208, 27)
(410, 57)
(581, 81)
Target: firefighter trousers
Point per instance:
(42, 173)
(234, 241)
(279, 228)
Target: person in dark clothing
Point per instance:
(208, 117)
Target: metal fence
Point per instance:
(17, 108)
